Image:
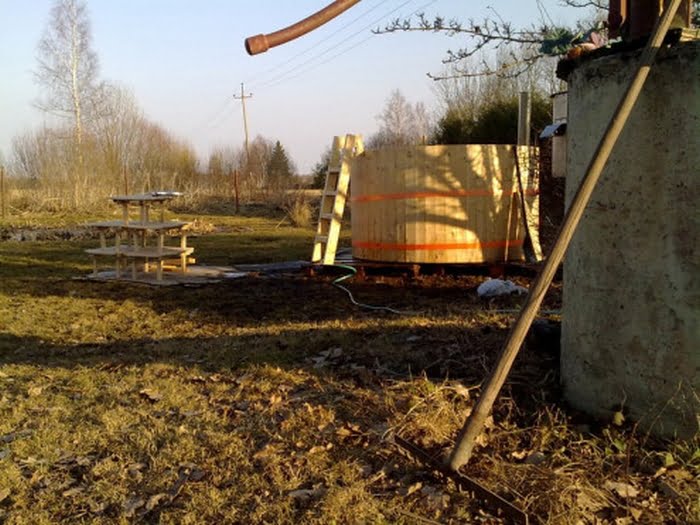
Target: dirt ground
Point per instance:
(274, 399)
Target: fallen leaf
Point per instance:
(624, 490)
(4, 494)
(618, 418)
(98, 508)
(155, 500)
(669, 461)
(461, 390)
(275, 399)
(35, 391)
(414, 487)
(535, 458)
(320, 448)
(519, 454)
(623, 521)
(636, 513)
(192, 471)
(72, 492)
(268, 450)
(132, 505)
(660, 472)
(151, 395)
(302, 495)
(681, 475)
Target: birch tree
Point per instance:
(68, 68)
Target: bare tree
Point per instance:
(522, 47)
(68, 67)
(116, 125)
(401, 123)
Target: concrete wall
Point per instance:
(631, 317)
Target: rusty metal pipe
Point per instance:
(261, 43)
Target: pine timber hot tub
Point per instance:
(441, 204)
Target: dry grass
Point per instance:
(275, 400)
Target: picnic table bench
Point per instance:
(131, 235)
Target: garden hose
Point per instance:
(352, 271)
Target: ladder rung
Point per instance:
(332, 193)
(321, 238)
(335, 171)
(328, 216)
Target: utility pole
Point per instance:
(242, 98)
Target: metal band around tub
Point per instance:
(428, 194)
(436, 246)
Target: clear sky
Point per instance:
(184, 59)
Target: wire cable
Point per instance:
(315, 46)
(283, 78)
(352, 272)
(280, 76)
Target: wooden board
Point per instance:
(168, 225)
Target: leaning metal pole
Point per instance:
(475, 422)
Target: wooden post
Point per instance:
(125, 176)
(474, 424)
(2, 192)
(524, 112)
(236, 190)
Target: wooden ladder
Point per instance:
(335, 193)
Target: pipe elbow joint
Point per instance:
(257, 44)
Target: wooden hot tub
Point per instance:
(441, 204)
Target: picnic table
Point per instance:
(130, 244)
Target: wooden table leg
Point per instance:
(117, 250)
(183, 255)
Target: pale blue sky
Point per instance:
(184, 60)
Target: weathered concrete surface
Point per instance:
(631, 317)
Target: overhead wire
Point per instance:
(214, 119)
(334, 46)
(315, 46)
(283, 78)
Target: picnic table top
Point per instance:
(155, 196)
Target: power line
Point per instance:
(214, 118)
(315, 46)
(281, 79)
(276, 78)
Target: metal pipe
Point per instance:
(261, 43)
(475, 421)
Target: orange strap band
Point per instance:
(436, 246)
(428, 194)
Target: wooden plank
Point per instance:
(140, 252)
(166, 225)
